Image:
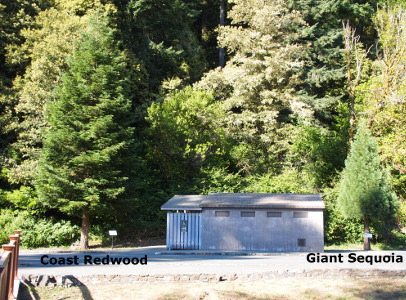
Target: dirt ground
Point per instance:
(285, 288)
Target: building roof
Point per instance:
(184, 202)
(249, 200)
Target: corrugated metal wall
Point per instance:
(184, 231)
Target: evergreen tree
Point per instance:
(16, 17)
(384, 94)
(364, 191)
(47, 44)
(161, 33)
(86, 158)
(324, 75)
(257, 84)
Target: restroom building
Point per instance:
(245, 222)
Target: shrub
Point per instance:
(401, 215)
(37, 232)
(338, 229)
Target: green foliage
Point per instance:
(383, 95)
(364, 190)
(160, 32)
(87, 155)
(76, 94)
(14, 17)
(401, 215)
(36, 232)
(47, 44)
(257, 84)
(338, 229)
(219, 180)
(323, 86)
(318, 152)
(185, 134)
(24, 198)
(289, 181)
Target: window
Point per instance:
(222, 213)
(274, 214)
(300, 214)
(301, 242)
(248, 214)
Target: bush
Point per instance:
(37, 232)
(340, 230)
(401, 215)
(23, 198)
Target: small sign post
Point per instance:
(368, 235)
(112, 233)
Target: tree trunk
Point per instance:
(205, 27)
(84, 237)
(222, 19)
(351, 43)
(350, 88)
(367, 244)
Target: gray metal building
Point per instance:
(250, 222)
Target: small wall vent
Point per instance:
(301, 242)
(248, 214)
(274, 214)
(222, 213)
(301, 214)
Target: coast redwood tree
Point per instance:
(364, 192)
(86, 151)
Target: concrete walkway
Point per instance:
(160, 261)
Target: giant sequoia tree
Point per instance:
(364, 192)
(86, 149)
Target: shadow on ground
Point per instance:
(27, 291)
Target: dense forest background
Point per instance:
(110, 107)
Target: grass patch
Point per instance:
(347, 247)
(359, 247)
(396, 242)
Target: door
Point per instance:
(183, 231)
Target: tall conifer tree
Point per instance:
(364, 191)
(258, 82)
(41, 58)
(85, 159)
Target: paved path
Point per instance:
(160, 261)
